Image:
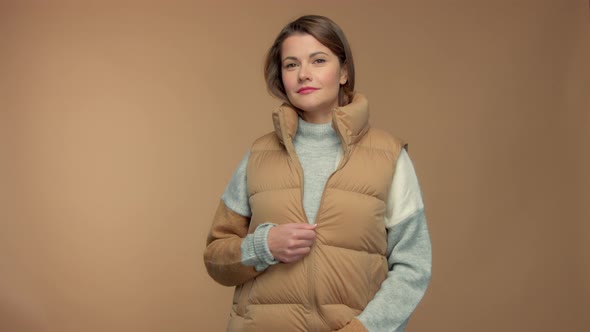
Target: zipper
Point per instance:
(345, 154)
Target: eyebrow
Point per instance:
(311, 56)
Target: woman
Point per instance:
(322, 225)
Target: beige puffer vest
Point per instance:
(347, 263)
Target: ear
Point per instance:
(343, 74)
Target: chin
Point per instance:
(308, 107)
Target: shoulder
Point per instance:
(269, 141)
(380, 139)
(235, 195)
(405, 198)
(385, 135)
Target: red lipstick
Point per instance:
(306, 90)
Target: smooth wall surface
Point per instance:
(122, 122)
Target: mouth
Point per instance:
(306, 90)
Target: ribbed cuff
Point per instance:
(255, 251)
(261, 244)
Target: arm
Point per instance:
(408, 253)
(229, 246)
(223, 255)
(232, 252)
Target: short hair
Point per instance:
(326, 32)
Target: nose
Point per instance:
(304, 74)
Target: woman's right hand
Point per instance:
(289, 243)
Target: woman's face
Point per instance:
(312, 76)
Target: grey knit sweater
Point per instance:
(408, 242)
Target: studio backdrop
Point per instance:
(121, 123)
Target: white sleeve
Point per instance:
(405, 197)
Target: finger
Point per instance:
(307, 243)
(291, 259)
(300, 251)
(294, 259)
(298, 257)
(294, 244)
(304, 226)
(295, 255)
(305, 235)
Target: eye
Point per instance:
(290, 65)
(319, 60)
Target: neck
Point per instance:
(320, 117)
(317, 136)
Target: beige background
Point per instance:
(120, 125)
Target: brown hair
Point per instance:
(326, 32)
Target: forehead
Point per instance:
(302, 45)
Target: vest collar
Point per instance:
(351, 122)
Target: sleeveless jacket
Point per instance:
(347, 263)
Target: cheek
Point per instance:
(288, 81)
(332, 79)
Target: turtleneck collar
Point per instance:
(316, 135)
(351, 122)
